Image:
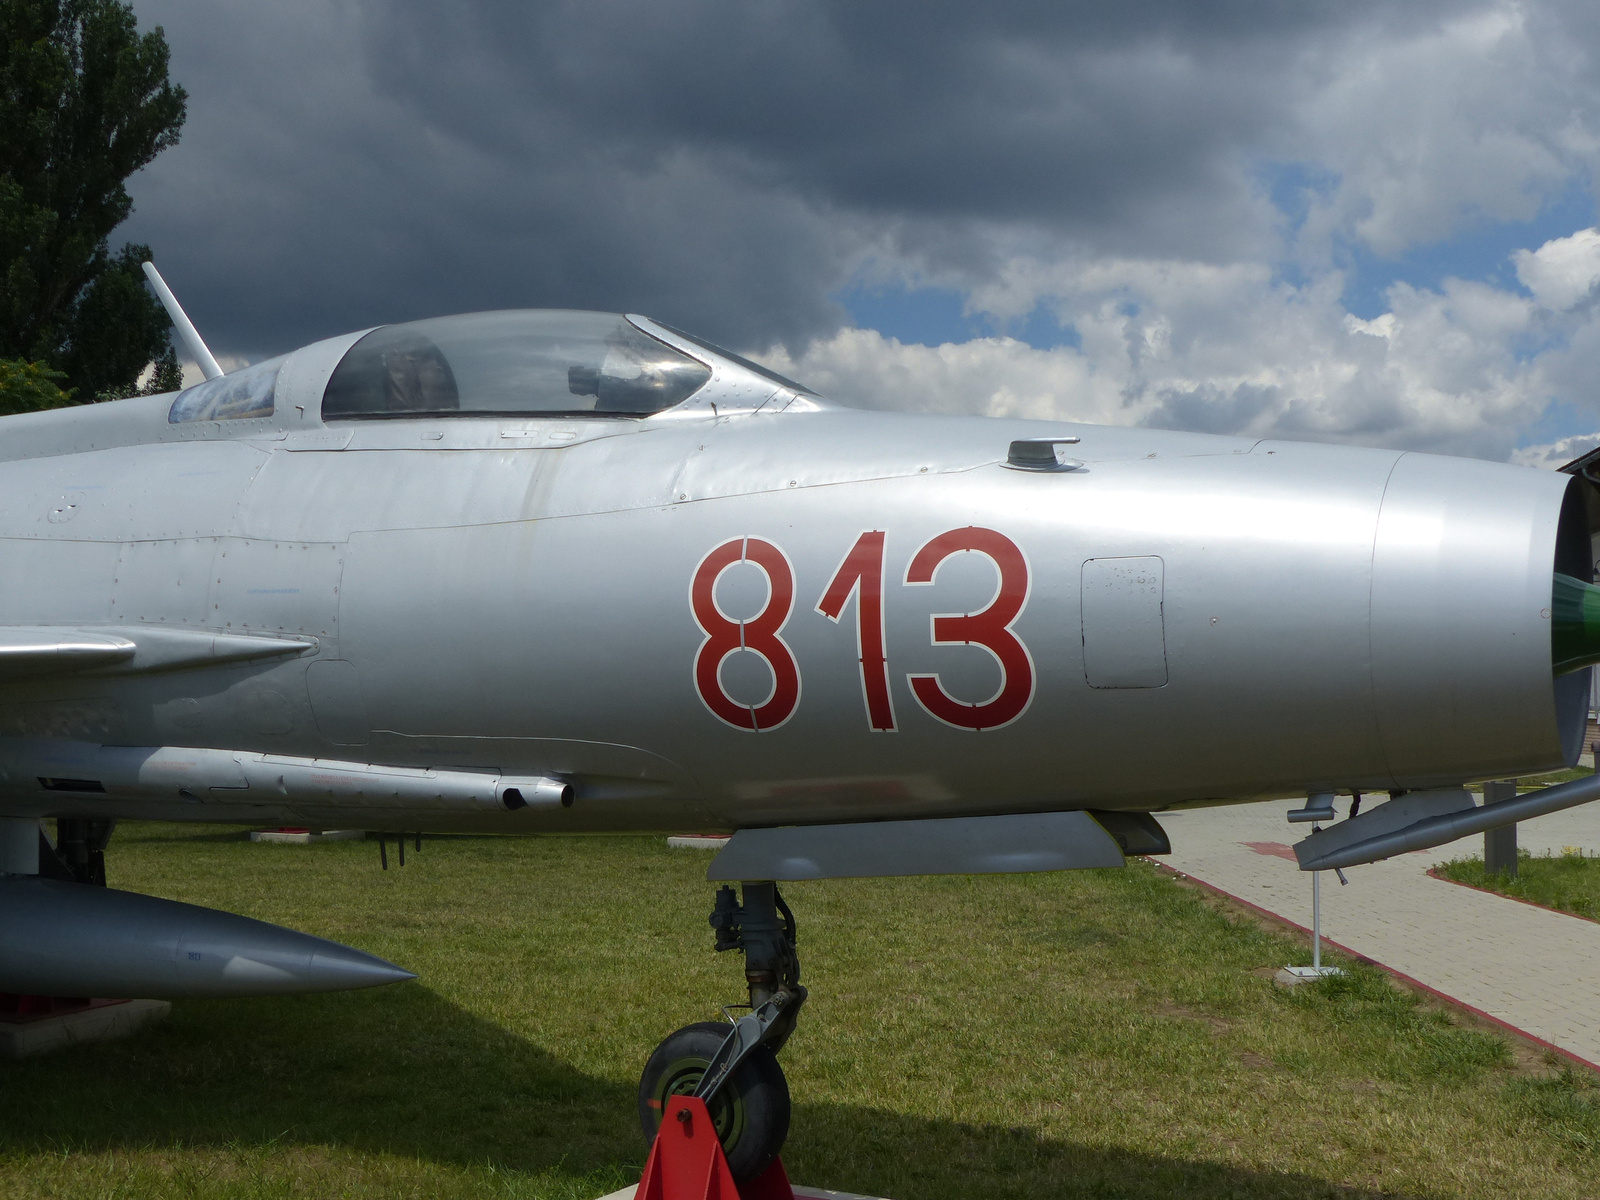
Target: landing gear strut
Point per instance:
(79, 853)
(735, 1070)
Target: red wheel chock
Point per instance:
(686, 1162)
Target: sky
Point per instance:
(1368, 222)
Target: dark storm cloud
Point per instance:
(1054, 112)
(721, 165)
(304, 200)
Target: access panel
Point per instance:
(1124, 640)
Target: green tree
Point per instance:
(30, 387)
(84, 103)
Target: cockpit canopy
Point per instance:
(508, 364)
(502, 364)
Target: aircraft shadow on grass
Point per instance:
(399, 1070)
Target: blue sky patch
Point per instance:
(1293, 185)
(1481, 253)
(1560, 419)
(931, 316)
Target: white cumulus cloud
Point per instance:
(1189, 346)
(1563, 271)
(1552, 456)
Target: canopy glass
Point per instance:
(510, 364)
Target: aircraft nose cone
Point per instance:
(329, 967)
(258, 959)
(359, 969)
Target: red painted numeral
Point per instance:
(861, 572)
(724, 635)
(989, 628)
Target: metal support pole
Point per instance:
(1318, 808)
(1500, 845)
(1316, 921)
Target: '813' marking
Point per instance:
(861, 575)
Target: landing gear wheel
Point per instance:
(750, 1112)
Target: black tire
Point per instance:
(750, 1112)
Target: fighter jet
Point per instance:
(558, 571)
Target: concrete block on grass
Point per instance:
(304, 837)
(26, 1036)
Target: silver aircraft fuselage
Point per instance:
(756, 608)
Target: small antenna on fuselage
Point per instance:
(186, 330)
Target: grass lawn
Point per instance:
(1085, 1034)
(1570, 882)
(1529, 783)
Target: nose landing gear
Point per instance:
(735, 1070)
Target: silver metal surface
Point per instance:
(1319, 807)
(1382, 820)
(1064, 841)
(537, 792)
(511, 597)
(42, 650)
(862, 642)
(113, 777)
(73, 939)
(1124, 635)
(1430, 831)
(185, 327)
(47, 650)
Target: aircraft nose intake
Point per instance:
(1574, 624)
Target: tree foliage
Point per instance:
(84, 103)
(30, 387)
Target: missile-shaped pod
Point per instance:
(73, 939)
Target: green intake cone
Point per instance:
(1574, 624)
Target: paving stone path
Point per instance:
(1535, 970)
